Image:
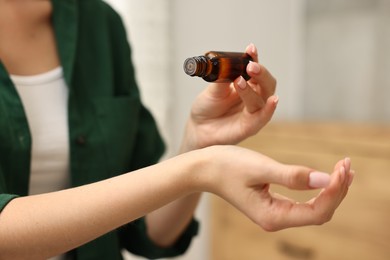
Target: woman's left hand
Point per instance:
(227, 113)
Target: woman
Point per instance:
(78, 149)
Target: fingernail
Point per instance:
(319, 179)
(241, 82)
(253, 67)
(342, 174)
(276, 99)
(347, 163)
(352, 175)
(252, 48)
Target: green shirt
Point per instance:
(110, 131)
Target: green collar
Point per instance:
(65, 23)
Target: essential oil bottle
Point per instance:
(218, 66)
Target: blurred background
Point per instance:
(331, 59)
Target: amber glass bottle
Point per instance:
(218, 66)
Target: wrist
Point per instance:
(189, 138)
(206, 169)
(198, 172)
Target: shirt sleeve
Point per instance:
(147, 150)
(136, 241)
(149, 145)
(4, 197)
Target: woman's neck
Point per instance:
(27, 43)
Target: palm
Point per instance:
(222, 118)
(228, 113)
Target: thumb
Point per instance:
(301, 178)
(268, 110)
(219, 90)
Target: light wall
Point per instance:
(274, 26)
(347, 60)
(164, 33)
(330, 59)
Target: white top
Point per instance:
(45, 98)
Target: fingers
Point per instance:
(259, 73)
(252, 100)
(260, 76)
(268, 110)
(252, 51)
(259, 88)
(349, 171)
(338, 187)
(294, 177)
(303, 178)
(351, 177)
(284, 212)
(321, 208)
(298, 177)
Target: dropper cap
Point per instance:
(195, 66)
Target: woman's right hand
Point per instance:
(243, 178)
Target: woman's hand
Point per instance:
(228, 113)
(245, 183)
(242, 177)
(221, 114)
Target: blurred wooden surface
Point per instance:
(360, 228)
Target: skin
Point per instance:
(27, 44)
(87, 215)
(221, 116)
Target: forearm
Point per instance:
(49, 224)
(166, 224)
